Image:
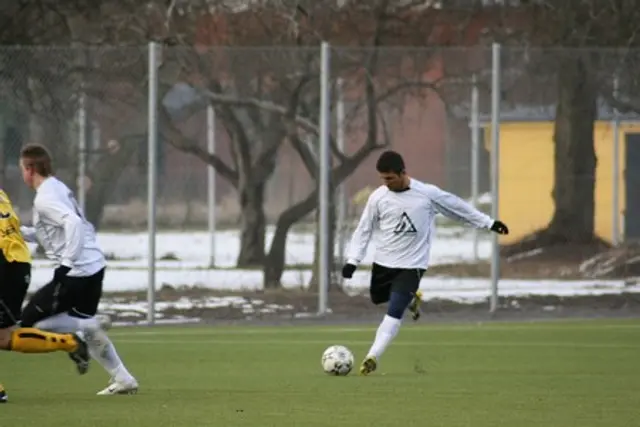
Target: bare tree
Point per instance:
(579, 46)
(264, 97)
(270, 97)
(25, 71)
(45, 62)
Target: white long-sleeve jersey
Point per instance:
(60, 227)
(402, 224)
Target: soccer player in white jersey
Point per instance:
(70, 301)
(400, 215)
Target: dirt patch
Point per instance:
(559, 262)
(206, 306)
(514, 269)
(622, 261)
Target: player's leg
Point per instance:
(403, 290)
(380, 293)
(87, 292)
(387, 331)
(13, 289)
(100, 348)
(34, 340)
(380, 284)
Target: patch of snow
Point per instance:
(524, 255)
(451, 244)
(469, 290)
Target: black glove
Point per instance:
(347, 271)
(60, 273)
(499, 227)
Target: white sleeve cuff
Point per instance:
(353, 261)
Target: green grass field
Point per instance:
(560, 374)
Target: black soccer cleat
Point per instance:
(81, 356)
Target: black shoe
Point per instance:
(81, 356)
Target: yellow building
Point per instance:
(527, 171)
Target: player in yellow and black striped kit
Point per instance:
(15, 275)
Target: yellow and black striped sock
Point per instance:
(32, 340)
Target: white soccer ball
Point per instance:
(337, 360)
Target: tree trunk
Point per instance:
(575, 158)
(253, 225)
(275, 260)
(104, 178)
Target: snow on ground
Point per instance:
(193, 248)
(463, 290)
(137, 310)
(129, 271)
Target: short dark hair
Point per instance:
(390, 162)
(37, 157)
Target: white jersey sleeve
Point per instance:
(63, 216)
(63, 232)
(28, 234)
(455, 208)
(363, 232)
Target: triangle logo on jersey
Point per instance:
(405, 226)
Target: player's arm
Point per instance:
(455, 208)
(28, 234)
(361, 237)
(67, 218)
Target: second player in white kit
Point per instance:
(70, 301)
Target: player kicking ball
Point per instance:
(402, 214)
(70, 301)
(15, 276)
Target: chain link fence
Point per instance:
(90, 108)
(424, 107)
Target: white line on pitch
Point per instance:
(233, 330)
(399, 343)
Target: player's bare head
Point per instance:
(391, 168)
(35, 161)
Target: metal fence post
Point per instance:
(616, 170)
(152, 178)
(475, 156)
(324, 194)
(211, 185)
(341, 211)
(495, 170)
(82, 151)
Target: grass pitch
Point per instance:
(560, 374)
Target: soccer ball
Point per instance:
(337, 360)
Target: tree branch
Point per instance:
(307, 157)
(395, 90)
(174, 137)
(268, 106)
(273, 143)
